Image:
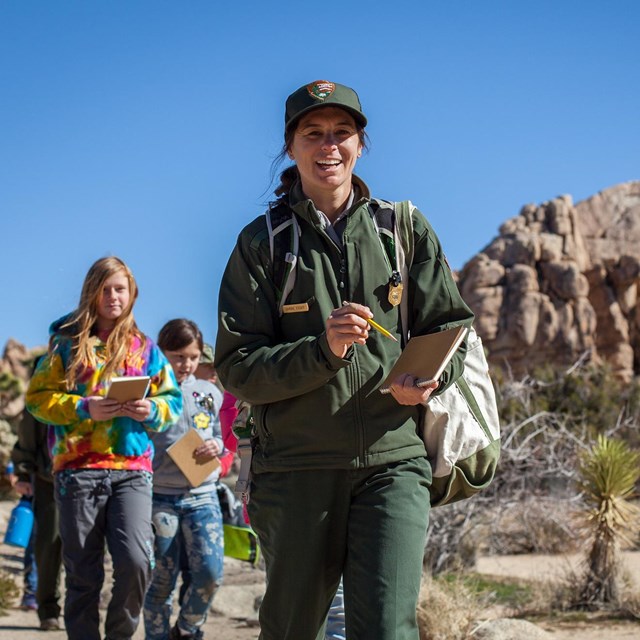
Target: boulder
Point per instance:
(510, 629)
(561, 280)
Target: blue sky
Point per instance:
(146, 129)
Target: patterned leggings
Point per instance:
(188, 528)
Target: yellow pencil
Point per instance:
(375, 325)
(382, 330)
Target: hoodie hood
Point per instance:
(56, 325)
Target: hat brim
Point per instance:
(357, 116)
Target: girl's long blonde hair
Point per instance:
(80, 325)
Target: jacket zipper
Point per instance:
(358, 423)
(354, 370)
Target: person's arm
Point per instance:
(228, 413)
(47, 397)
(226, 462)
(164, 396)
(436, 303)
(49, 400)
(251, 359)
(24, 453)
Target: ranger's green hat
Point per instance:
(206, 357)
(322, 93)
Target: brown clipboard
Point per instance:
(126, 388)
(181, 452)
(426, 357)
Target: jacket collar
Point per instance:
(305, 207)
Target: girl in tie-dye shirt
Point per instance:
(102, 455)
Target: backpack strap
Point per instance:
(383, 215)
(403, 232)
(395, 229)
(284, 241)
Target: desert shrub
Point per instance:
(11, 390)
(7, 440)
(548, 420)
(447, 610)
(9, 591)
(584, 395)
(454, 536)
(539, 524)
(10, 384)
(566, 598)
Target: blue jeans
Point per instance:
(30, 572)
(190, 527)
(335, 629)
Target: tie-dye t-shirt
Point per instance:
(119, 443)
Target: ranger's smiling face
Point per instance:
(325, 148)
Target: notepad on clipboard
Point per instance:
(126, 388)
(426, 357)
(182, 453)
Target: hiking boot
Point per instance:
(175, 634)
(50, 624)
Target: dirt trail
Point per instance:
(233, 615)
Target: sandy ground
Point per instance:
(233, 616)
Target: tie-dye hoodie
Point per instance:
(119, 443)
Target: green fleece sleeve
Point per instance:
(252, 361)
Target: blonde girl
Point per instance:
(102, 452)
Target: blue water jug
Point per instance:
(20, 524)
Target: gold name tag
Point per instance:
(295, 308)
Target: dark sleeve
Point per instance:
(24, 454)
(252, 361)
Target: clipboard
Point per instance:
(181, 452)
(426, 357)
(126, 388)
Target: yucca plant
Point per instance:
(607, 475)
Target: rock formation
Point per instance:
(561, 281)
(14, 376)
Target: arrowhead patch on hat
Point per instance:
(321, 89)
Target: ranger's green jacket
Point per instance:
(312, 409)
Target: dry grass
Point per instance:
(538, 525)
(568, 596)
(447, 610)
(454, 606)
(9, 591)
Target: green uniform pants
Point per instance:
(316, 525)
